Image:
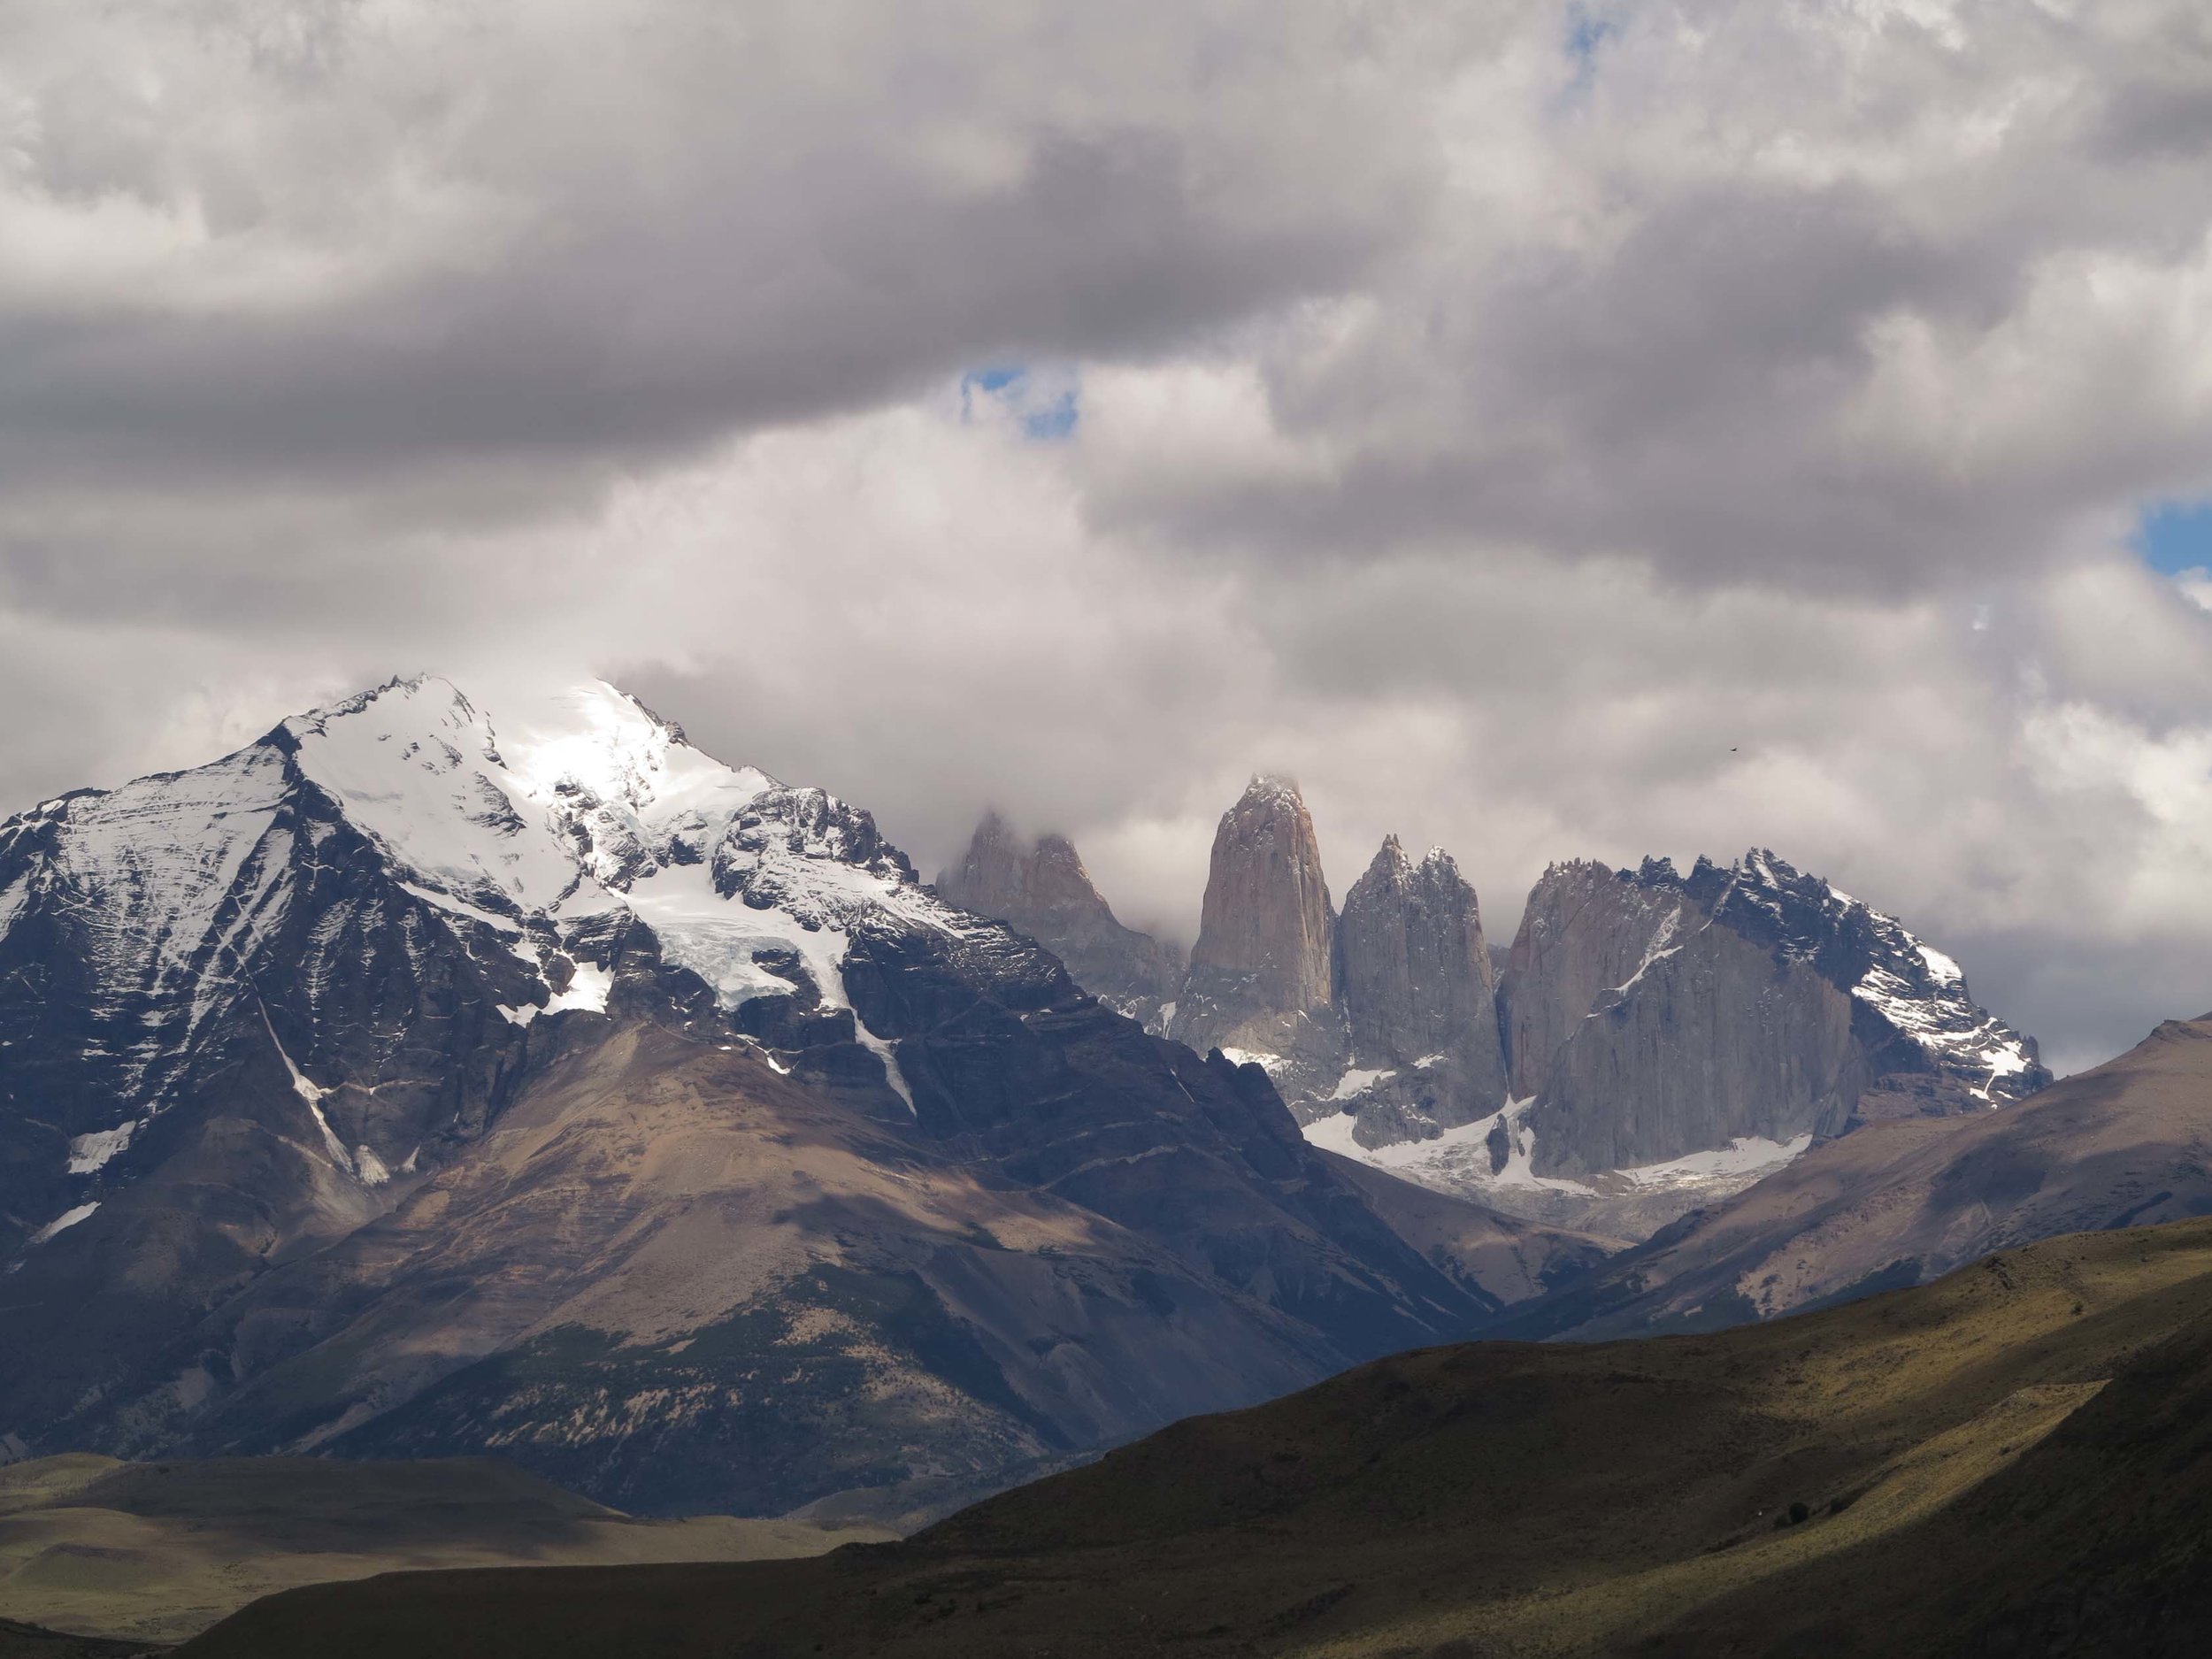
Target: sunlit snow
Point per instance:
(583, 802)
(1270, 1063)
(89, 1154)
(1358, 1081)
(67, 1218)
(1459, 1161)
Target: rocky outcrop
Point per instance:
(1261, 980)
(1654, 1042)
(1386, 1016)
(1649, 1016)
(1042, 888)
(1415, 983)
(1670, 1040)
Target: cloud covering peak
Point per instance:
(1605, 427)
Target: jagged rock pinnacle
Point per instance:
(1413, 970)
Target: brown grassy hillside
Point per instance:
(1492, 1499)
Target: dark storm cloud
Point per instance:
(599, 235)
(1837, 298)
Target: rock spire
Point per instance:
(1262, 973)
(1413, 970)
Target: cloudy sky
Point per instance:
(1546, 430)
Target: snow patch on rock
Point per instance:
(63, 1222)
(1464, 1163)
(1748, 1158)
(1270, 1063)
(1357, 1080)
(91, 1153)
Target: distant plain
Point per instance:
(157, 1552)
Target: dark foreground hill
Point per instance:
(2010, 1460)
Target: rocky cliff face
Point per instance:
(1583, 932)
(1673, 1040)
(402, 1085)
(1042, 888)
(1261, 980)
(1650, 1016)
(1414, 973)
(1414, 980)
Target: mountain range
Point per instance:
(2126, 1144)
(405, 1084)
(408, 1084)
(1783, 1096)
(411, 1086)
(1654, 1041)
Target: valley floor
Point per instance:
(157, 1552)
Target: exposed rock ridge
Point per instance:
(1042, 888)
(1585, 930)
(1655, 1041)
(1649, 1016)
(1414, 971)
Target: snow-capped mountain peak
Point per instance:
(352, 836)
(584, 803)
(572, 1027)
(417, 767)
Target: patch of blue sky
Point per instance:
(1588, 28)
(1585, 33)
(2174, 536)
(1046, 403)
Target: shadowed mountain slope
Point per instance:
(1780, 1488)
(1496, 1257)
(18, 1640)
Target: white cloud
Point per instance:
(1723, 434)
